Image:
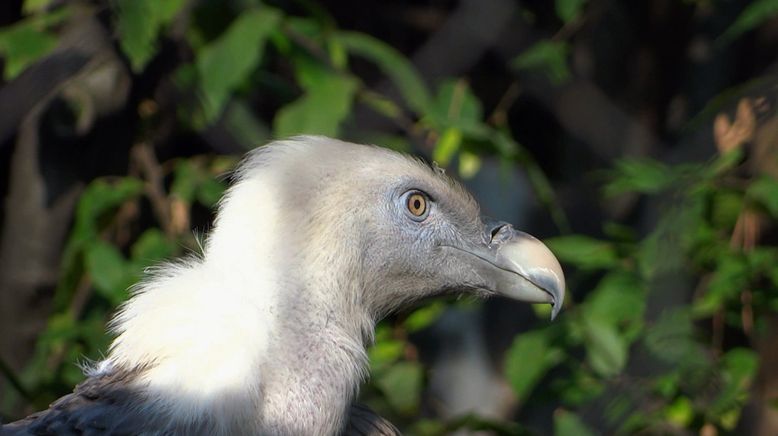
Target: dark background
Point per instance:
(639, 139)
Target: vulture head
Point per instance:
(265, 333)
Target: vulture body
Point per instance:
(265, 333)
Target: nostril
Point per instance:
(500, 231)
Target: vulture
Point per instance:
(265, 332)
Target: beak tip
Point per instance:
(555, 309)
(559, 298)
(552, 284)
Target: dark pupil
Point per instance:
(417, 204)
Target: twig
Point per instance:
(542, 188)
(717, 335)
(457, 99)
(401, 119)
(309, 45)
(499, 116)
(144, 157)
(80, 297)
(569, 29)
(14, 380)
(747, 312)
(78, 301)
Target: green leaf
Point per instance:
(723, 162)
(542, 311)
(151, 247)
(427, 427)
(448, 144)
(620, 405)
(387, 351)
(568, 10)
(338, 54)
(671, 338)
(326, 103)
(619, 301)
(309, 27)
(725, 208)
(211, 191)
(392, 63)
(228, 61)
(527, 360)
(680, 412)
(139, 23)
(606, 351)
(61, 328)
(548, 57)
(384, 353)
(619, 232)
(26, 41)
(92, 330)
(455, 105)
(730, 278)
(102, 195)
(380, 104)
(99, 197)
(765, 191)
(109, 271)
(22, 44)
(192, 181)
(401, 384)
(680, 229)
(583, 251)
(247, 128)
(739, 367)
(185, 181)
(579, 388)
(422, 317)
(569, 424)
(165, 11)
(666, 385)
(644, 176)
(35, 6)
(764, 261)
(472, 423)
(469, 164)
(756, 13)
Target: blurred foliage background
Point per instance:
(639, 139)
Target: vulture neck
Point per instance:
(264, 335)
(316, 362)
(314, 354)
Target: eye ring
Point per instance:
(417, 205)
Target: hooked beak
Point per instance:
(518, 266)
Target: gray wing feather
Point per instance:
(104, 405)
(364, 422)
(100, 405)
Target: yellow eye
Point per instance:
(417, 204)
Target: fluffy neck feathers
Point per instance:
(257, 337)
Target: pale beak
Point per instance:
(518, 266)
(540, 277)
